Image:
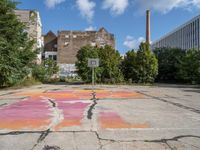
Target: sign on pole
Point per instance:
(93, 63)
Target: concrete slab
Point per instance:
(124, 118)
(18, 142)
(69, 141)
(57, 141)
(182, 146)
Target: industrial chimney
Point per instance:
(148, 32)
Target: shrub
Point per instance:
(169, 60)
(140, 66)
(45, 71)
(189, 67)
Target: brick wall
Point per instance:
(69, 42)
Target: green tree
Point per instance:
(140, 66)
(16, 53)
(146, 64)
(129, 66)
(189, 67)
(110, 65)
(82, 63)
(109, 69)
(169, 60)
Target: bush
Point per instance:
(189, 67)
(140, 66)
(45, 71)
(27, 82)
(169, 60)
(39, 73)
(177, 65)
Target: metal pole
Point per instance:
(93, 79)
(93, 82)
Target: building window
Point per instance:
(67, 36)
(50, 56)
(54, 57)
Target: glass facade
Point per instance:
(186, 36)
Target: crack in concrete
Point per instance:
(165, 141)
(189, 144)
(56, 112)
(15, 99)
(168, 145)
(56, 120)
(152, 141)
(98, 138)
(44, 134)
(90, 110)
(40, 132)
(111, 140)
(3, 104)
(20, 132)
(52, 102)
(172, 103)
(9, 93)
(47, 147)
(176, 138)
(41, 138)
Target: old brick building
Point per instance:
(31, 19)
(50, 46)
(68, 43)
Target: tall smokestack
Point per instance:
(148, 32)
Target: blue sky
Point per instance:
(124, 18)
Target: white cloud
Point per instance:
(165, 6)
(53, 3)
(90, 28)
(86, 8)
(117, 7)
(133, 43)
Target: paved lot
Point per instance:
(62, 117)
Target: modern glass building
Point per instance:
(187, 36)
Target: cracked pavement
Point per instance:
(63, 117)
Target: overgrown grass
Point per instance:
(26, 83)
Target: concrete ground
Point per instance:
(62, 117)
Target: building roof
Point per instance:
(81, 31)
(176, 29)
(50, 33)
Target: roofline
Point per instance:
(83, 31)
(27, 10)
(177, 28)
(76, 31)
